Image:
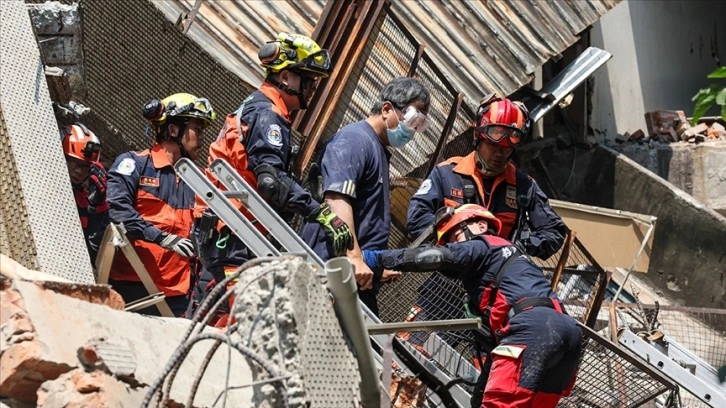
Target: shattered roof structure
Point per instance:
(482, 46)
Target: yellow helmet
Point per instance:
(295, 52)
(179, 105)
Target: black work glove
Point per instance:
(337, 229)
(96, 185)
(180, 245)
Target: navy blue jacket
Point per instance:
(445, 187)
(263, 136)
(476, 263)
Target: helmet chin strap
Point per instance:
(485, 169)
(182, 150)
(178, 139)
(290, 91)
(468, 235)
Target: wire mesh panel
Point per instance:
(123, 72)
(701, 330)
(607, 379)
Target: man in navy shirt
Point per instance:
(354, 167)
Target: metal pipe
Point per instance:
(428, 325)
(613, 321)
(342, 285)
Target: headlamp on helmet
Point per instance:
(449, 219)
(297, 53)
(180, 105)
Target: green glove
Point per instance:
(336, 229)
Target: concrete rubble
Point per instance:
(59, 351)
(287, 317)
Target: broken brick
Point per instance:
(637, 135)
(699, 129)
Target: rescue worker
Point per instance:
(155, 206)
(82, 150)
(535, 345)
(256, 140)
(355, 175)
(486, 177)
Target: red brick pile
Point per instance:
(672, 126)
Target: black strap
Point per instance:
(495, 288)
(529, 303)
(525, 198)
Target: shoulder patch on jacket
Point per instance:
(126, 167)
(274, 135)
(424, 188)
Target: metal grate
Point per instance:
(608, 377)
(123, 71)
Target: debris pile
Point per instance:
(65, 345)
(667, 126)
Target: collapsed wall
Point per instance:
(39, 224)
(687, 262)
(58, 351)
(698, 169)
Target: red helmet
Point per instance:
(501, 121)
(81, 143)
(449, 218)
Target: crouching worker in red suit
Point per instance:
(536, 344)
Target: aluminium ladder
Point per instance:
(451, 394)
(677, 363)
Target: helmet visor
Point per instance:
(413, 119)
(500, 133)
(91, 151)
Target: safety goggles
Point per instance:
(200, 104)
(499, 133)
(413, 119)
(203, 105)
(316, 62)
(91, 151)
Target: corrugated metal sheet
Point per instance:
(482, 46)
(232, 31)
